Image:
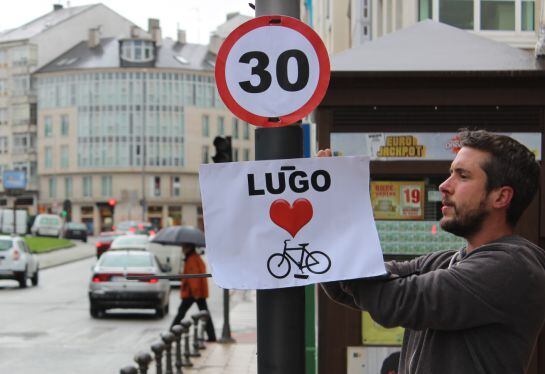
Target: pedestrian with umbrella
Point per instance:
(192, 290)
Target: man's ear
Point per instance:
(502, 196)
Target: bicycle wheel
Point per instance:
(278, 265)
(318, 262)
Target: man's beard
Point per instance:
(467, 224)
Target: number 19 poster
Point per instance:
(397, 200)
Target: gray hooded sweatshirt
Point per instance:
(475, 313)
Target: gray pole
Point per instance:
(143, 142)
(280, 312)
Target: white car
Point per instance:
(17, 262)
(109, 288)
(129, 241)
(47, 225)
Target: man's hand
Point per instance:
(324, 153)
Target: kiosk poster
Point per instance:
(286, 223)
(395, 200)
(375, 334)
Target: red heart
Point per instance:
(291, 218)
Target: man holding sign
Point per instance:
(478, 310)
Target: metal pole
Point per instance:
(14, 215)
(280, 312)
(226, 331)
(144, 142)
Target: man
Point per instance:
(478, 310)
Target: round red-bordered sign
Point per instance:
(272, 71)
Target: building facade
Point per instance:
(349, 23)
(123, 125)
(23, 50)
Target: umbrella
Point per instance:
(178, 235)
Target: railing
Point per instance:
(174, 345)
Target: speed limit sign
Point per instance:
(272, 71)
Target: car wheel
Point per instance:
(21, 278)
(95, 311)
(35, 278)
(166, 309)
(160, 312)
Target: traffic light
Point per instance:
(223, 149)
(66, 209)
(112, 202)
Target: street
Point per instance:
(48, 329)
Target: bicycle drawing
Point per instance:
(279, 264)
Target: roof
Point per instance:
(430, 46)
(170, 54)
(232, 23)
(42, 23)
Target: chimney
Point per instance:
(57, 7)
(154, 29)
(93, 39)
(181, 37)
(231, 15)
(134, 31)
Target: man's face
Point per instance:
(464, 196)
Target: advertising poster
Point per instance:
(395, 200)
(375, 334)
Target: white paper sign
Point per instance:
(284, 223)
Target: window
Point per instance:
(221, 126)
(4, 145)
(425, 10)
(235, 154)
(20, 85)
(52, 187)
(106, 186)
(497, 15)
(204, 158)
(175, 187)
(64, 125)
(235, 128)
(205, 125)
(137, 50)
(458, 13)
(246, 154)
(48, 158)
(246, 131)
(68, 187)
(64, 156)
(527, 15)
(48, 127)
(87, 186)
(3, 116)
(156, 186)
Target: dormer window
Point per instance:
(135, 50)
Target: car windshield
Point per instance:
(106, 238)
(76, 226)
(5, 244)
(53, 221)
(126, 260)
(131, 240)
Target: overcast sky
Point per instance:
(197, 17)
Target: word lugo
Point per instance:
(297, 181)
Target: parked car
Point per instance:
(75, 230)
(17, 262)
(136, 227)
(104, 240)
(135, 242)
(47, 225)
(109, 287)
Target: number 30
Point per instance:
(281, 71)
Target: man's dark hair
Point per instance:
(511, 164)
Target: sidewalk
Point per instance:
(67, 255)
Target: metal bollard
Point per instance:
(158, 348)
(203, 320)
(143, 360)
(128, 370)
(177, 331)
(168, 338)
(195, 317)
(185, 332)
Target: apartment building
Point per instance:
(348, 23)
(23, 50)
(124, 124)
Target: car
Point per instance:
(47, 225)
(135, 242)
(109, 287)
(136, 227)
(74, 230)
(104, 240)
(17, 262)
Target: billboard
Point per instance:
(14, 180)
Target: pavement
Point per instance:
(239, 357)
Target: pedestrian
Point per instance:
(194, 290)
(479, 309)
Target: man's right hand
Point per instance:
(324, 153)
